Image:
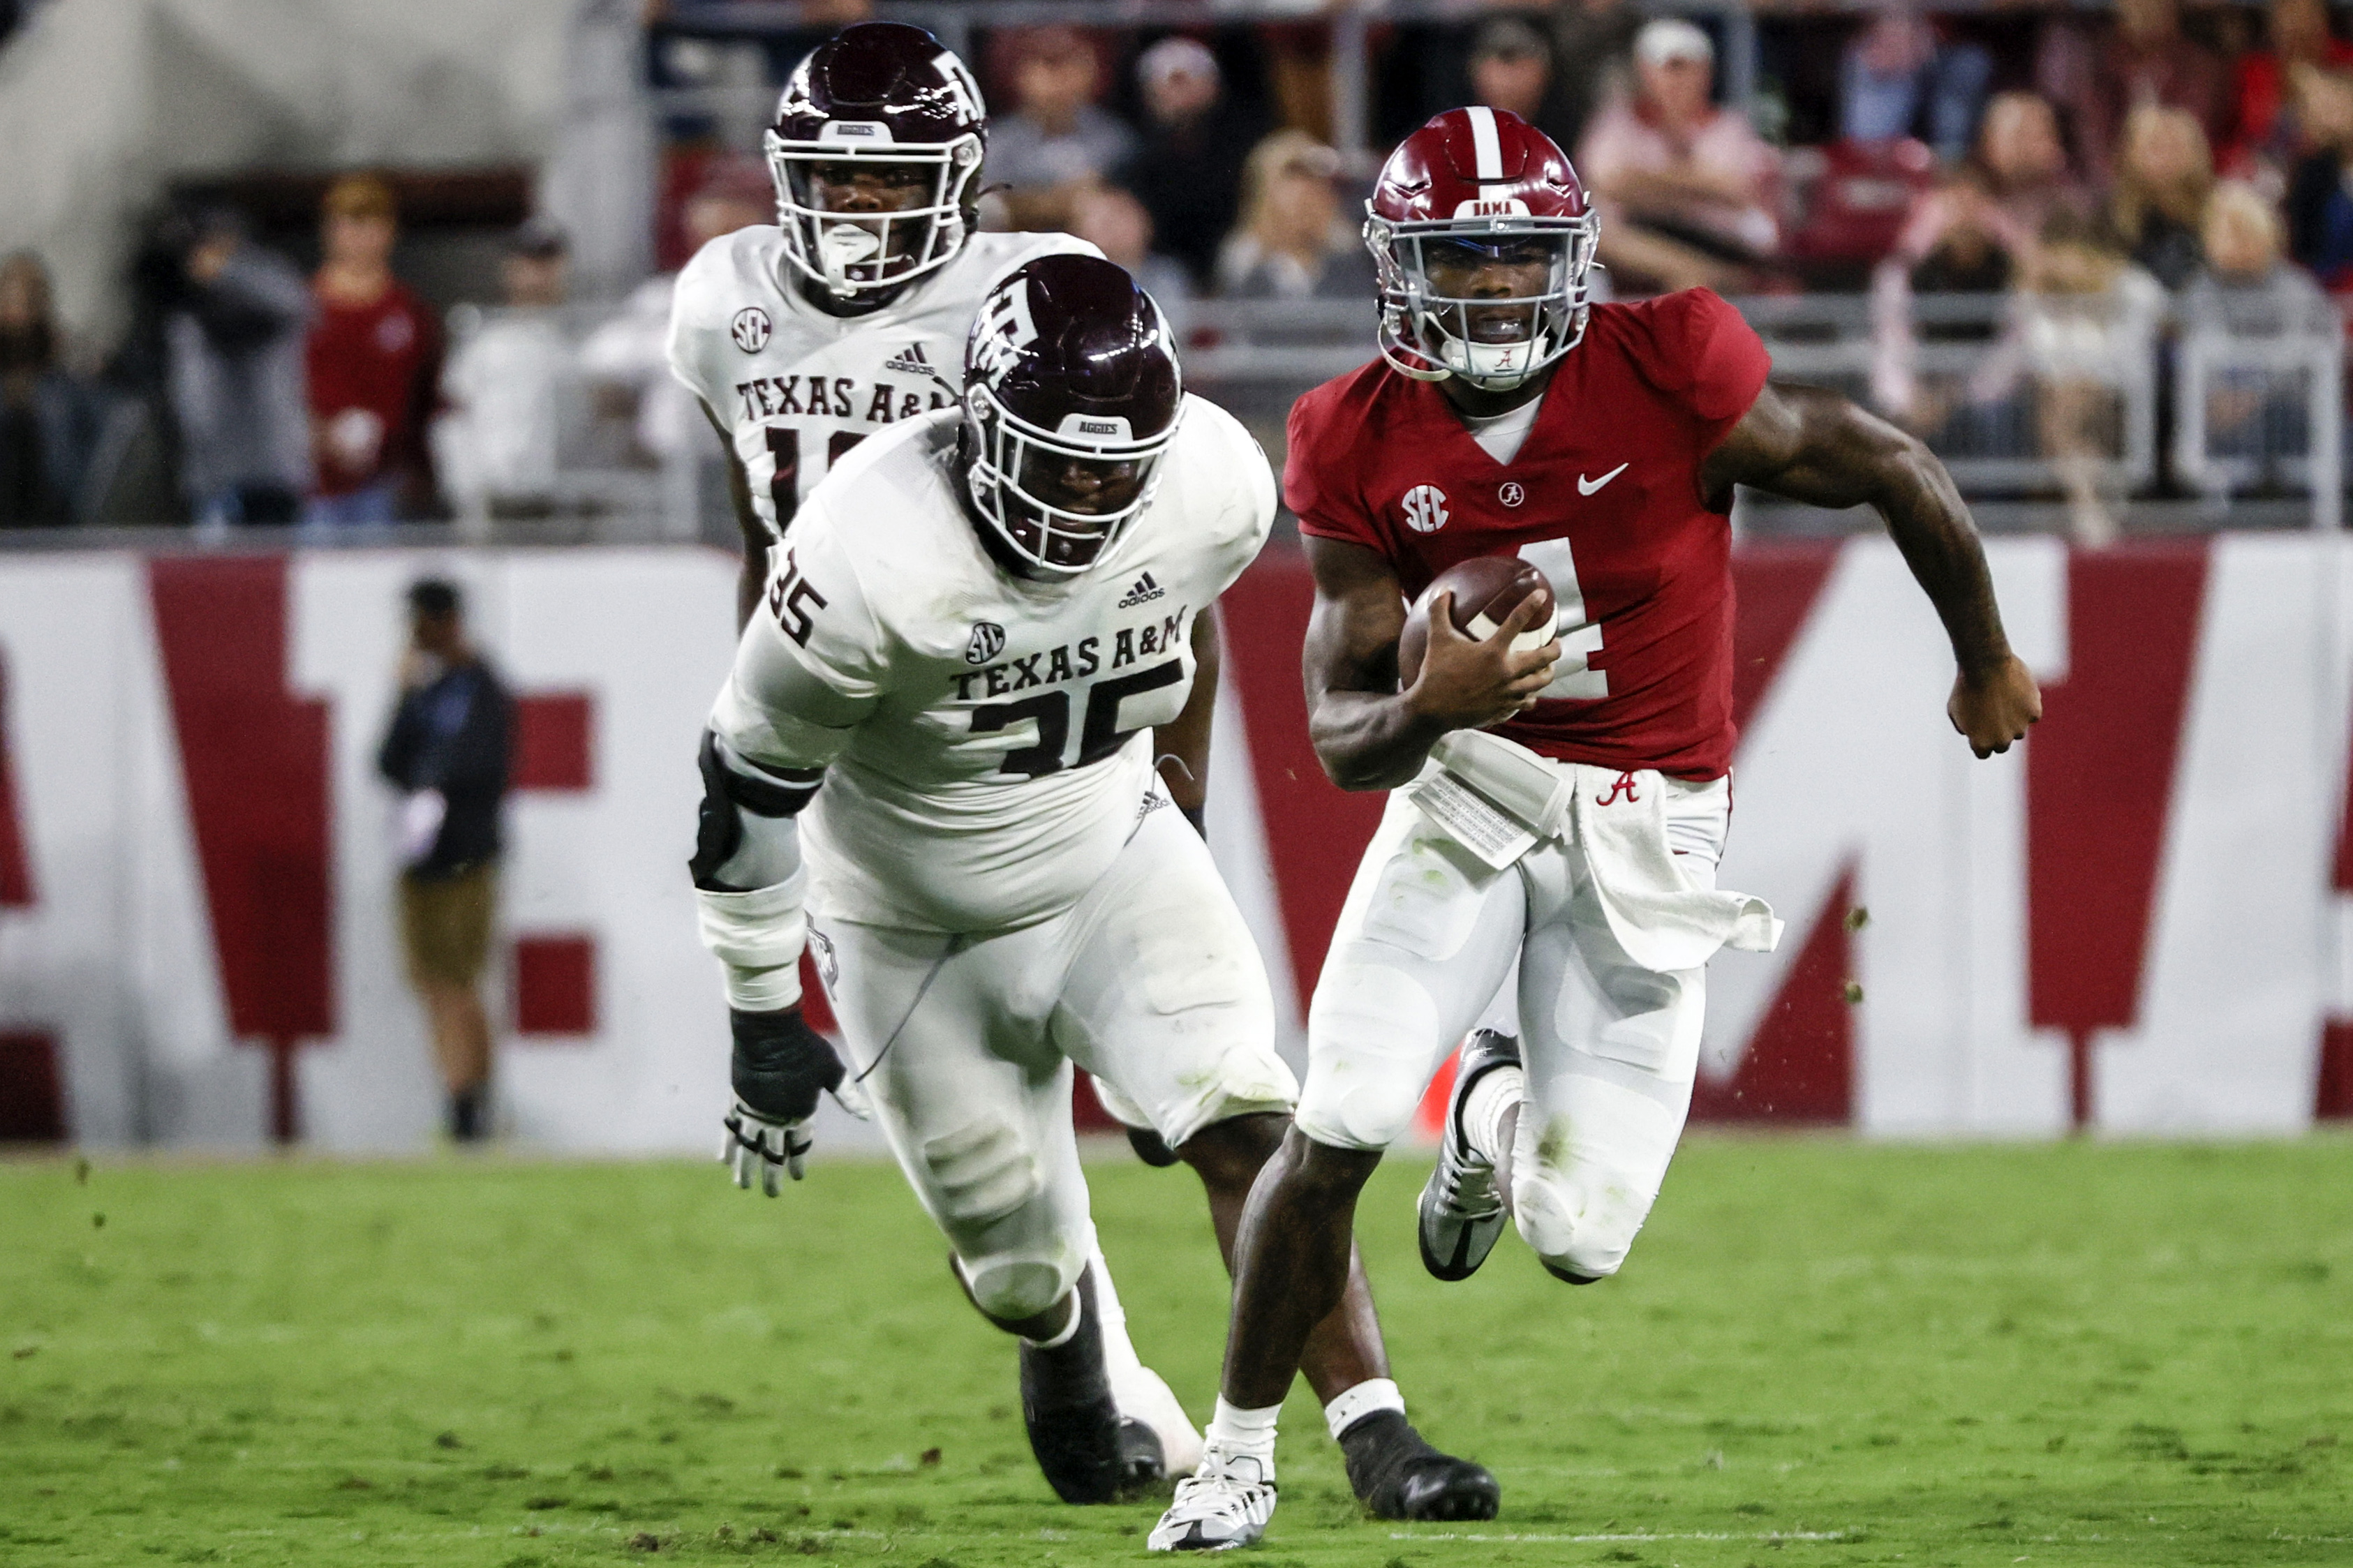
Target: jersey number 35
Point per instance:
(1050, 711)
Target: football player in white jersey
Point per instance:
(934, 764)
(849, 316)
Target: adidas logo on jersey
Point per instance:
(909, 361)
(1144, 592)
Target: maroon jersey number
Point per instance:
(785, 488)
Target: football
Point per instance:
(1487, 589)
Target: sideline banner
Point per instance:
(2137, 924)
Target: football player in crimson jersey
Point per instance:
(848, 316)
(934, 763)
(1562, 807)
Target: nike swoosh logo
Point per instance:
(1586, 487)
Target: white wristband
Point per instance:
(763, 990)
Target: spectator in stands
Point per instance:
(2164, 174)
(1895, 68)
(2270, 137)
(2319, 203)
(447, 751)
(2145, 59)
(374, 364)
(1116, 223)
(234, 350)
(1593, 43)
(50, 416)
(1188, 172)
(2248, 285)
(1058, 139)
(496, 444)
(1511, 66)
(1293, 242)
(2247, 290)
(1686, 188)
(627, 359)
(2013, 182)
(2085, 323)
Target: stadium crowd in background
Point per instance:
(2120, 141)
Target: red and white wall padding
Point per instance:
(2143, 923)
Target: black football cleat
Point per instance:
(1396, 1475)
(1089, 1453)
(1143, 1462)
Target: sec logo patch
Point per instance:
(1425, 509)
(750, 329)
(987, 640)
(1511, 494)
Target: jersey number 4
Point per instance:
(1051, 712)
(1580, 640)
(784, 485)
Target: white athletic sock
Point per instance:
(1234, 1430)
(1497, 1090)
(1119, 1350)
(1351, 1406)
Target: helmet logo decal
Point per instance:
(1005, 329)
(987, 641)
(960, 84)
(750, 329)
(1425, 509)
(1491, 206)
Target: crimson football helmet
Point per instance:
(1071, 397)
(1475, 185)
(878, 93)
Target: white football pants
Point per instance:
(1429, 934)
(1151, 982)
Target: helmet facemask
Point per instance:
(850, 253)
(1018, 473)
(1495, 343)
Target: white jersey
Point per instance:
(989, 736)
(796, 387)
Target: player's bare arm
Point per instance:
(753, 577)
(1368, 734)
(1181, 747)
(1816, 447)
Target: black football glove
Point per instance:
(781, 1066)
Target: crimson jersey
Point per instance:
(1603, 497)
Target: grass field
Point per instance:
(1823, 1353)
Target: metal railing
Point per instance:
(584, 435)
(2261, 411)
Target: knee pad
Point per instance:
(981, 1173)
(1012, 1289)
(1580, 1216)
(1372, 1040)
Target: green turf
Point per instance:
(1822, 1353)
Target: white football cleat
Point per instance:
(1460, 1213)
(1143, 1396)
(1225, 1504)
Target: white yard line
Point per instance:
(1603, 1540)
